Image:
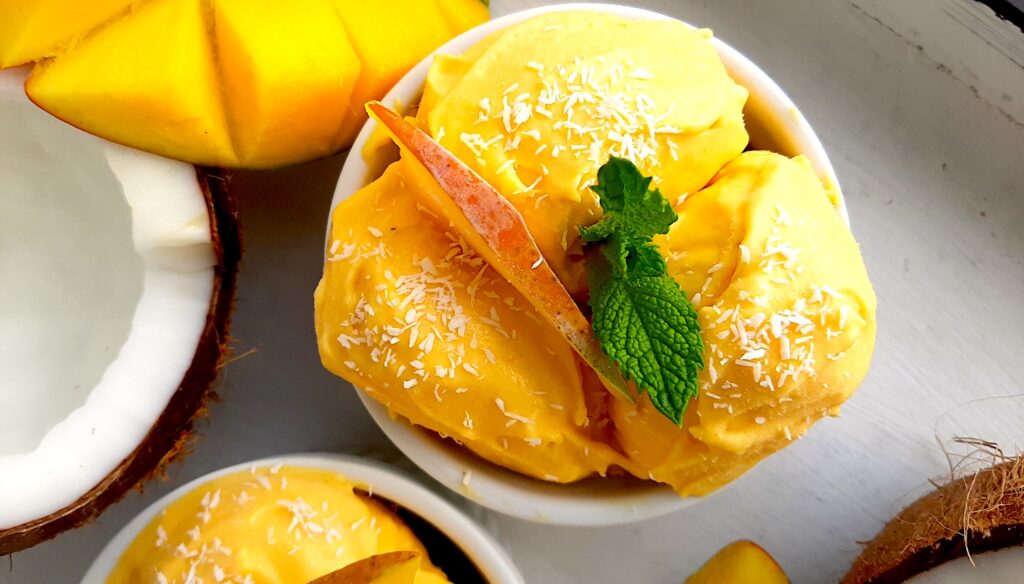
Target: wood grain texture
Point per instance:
(920, 104)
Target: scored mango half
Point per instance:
(30, 31)
(235, 83)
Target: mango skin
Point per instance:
(243, 84)
(741, 562)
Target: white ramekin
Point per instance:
(490, 560)
(773, 122)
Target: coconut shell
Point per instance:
(975, 513)
(171, 430)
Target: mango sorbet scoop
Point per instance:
(497, 231)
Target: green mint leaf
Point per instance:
(642, 318)
(648, 327)
(632, 212)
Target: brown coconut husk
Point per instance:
(167, 440)
(973, 513)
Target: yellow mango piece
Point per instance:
(388, 568)
(741, 562)
(288, 72)
(462, 15)
(33, 29)
(147, 81)
(253, 83)
(390, 38)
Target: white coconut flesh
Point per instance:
(1005, 566)
(106, 275)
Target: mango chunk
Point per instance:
(388, 45)
(288, 72)
(462, 15)
(256, 84)
(131, 84)
(32, 30)
(741, 562)
(387, 568)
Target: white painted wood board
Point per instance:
(921, 106)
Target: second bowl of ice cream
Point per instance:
(295, 519)
(476, 386)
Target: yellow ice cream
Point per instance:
(409, 313)
(278, 525)
(787, 316)
(538, 108)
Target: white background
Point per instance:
(920, 104)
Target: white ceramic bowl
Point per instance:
(491, 562)
(773, 122)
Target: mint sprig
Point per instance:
(643, 320)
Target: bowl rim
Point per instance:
(383, 480)
(500, 489)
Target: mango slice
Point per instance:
(462, 15)
(132, 84)
(388, 568)
(32, 30)
(742, 562)
(223, 82)
(262, 66)
(388, 46)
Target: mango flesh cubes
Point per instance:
(32, 29)
(387, 47)
(131, 86)
(235, 83)
(277, 89)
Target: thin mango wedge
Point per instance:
(497, 231)
(388, 568)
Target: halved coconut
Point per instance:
(970, 530)
(116, 280)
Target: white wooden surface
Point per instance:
(921, 106)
